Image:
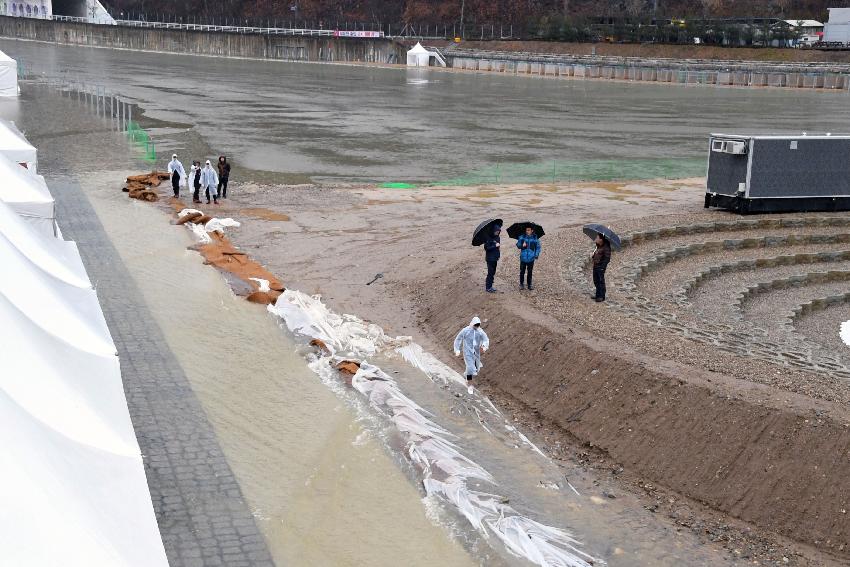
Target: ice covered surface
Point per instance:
(446, 471)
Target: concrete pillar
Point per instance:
(522, 67)
(579, 71)
(565, 70)
(620, 73)
(794, 80)
(593, 71)
(777, 79)
(484, 65)
(724, 78)
(550, 69)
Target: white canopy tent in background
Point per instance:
(27, 194)
(418, 56)
(72, 480)
(14, 146)
(8, 76)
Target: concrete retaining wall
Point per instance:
(255, 46)
(746, 74)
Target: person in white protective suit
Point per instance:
(209, 181)
(472, 341)
(177, 174)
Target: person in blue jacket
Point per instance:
(529, 246)
(492, 255)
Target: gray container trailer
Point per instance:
(767, 174)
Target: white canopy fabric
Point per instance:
(418, 56)
(67, 312)
(54, 256)
(27, 194)
(15, 146)
(8, 76)
(72, 480)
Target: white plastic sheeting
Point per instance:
(8, 76)
(213, 225)
(72, 481)
(446, 471)
(14, 146)
(27, 194)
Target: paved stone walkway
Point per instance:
(202, 516)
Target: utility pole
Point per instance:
(462, 6)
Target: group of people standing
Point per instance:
(472, 341)
(530, 248)
(212, 181)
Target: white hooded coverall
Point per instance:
(175, 165)
(209, 180)
(471, 341)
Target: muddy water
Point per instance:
(322, 492)
(299, 122)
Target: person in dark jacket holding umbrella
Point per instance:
(492, 254)
(601, 257)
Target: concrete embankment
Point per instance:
(828, 76)
(199, 42)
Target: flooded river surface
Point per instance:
(349, 123)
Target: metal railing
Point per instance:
(233, 29)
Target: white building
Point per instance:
(838, 27)
(41, 9)
(806, 27)
(91, 10)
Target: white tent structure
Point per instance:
(27, 194)
(418, 56)
(14, 146)
(72, 481)
(8, 76)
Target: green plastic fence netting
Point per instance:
(557, 171)
(398, 186)
(142, 140)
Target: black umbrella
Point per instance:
(518, 228)
(484, 230)
(593, 229)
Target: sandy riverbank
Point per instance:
(723, 440)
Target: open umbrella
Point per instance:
(518, 228)
(592, 230)
(484, 230)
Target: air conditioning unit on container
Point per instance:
(737, 148)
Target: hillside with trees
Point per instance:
(477, 11)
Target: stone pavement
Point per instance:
(202, 516)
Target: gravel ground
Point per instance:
(569, 301)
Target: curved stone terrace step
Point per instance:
(575, 267)
(796, 281)
(632, 274)
(682, 296)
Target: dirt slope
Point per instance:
(769, 457)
